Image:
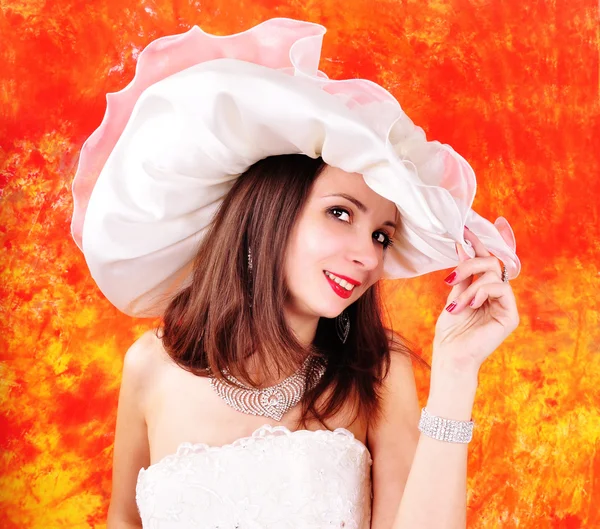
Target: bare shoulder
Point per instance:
(146, 353)
(144, 360)
(396, 430)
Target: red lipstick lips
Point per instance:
(340, 290)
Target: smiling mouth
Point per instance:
(341, 285)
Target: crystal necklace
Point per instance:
(272, 402)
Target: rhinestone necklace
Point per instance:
(272, 402)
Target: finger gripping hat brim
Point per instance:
(202, 109)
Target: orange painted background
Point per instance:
(512, 85)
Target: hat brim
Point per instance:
(151, 178)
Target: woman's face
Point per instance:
(337, 248)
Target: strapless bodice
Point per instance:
(275, 478)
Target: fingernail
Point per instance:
(450, 278)
(451, 307)
(472, 302)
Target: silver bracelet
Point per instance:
(445, 429)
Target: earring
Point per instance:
(250, 291)
(342, 326)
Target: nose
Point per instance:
(364, 251)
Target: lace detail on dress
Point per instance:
(275, 478)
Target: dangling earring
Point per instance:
(250, 291)
(342, 326)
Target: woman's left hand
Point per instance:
(480, 312)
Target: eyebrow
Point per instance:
(361, 207)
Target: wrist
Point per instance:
(452, 393)
(457, 407)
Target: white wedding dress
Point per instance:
(275, 479)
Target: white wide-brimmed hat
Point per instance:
(202, 109)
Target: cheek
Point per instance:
(318, 241)
(311, 244)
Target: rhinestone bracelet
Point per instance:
(445, 429)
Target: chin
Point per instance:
(319, 310)
(333, 310)
(331, 314)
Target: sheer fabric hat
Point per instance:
(202, 109)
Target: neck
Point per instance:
(303, 326)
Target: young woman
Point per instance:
(255, 212)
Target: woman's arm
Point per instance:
(481, 312)
(131, 450)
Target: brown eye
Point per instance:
(339, 213)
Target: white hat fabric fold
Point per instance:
(202, 109)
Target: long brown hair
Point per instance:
(231, 311)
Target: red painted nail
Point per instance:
(451, 307)
(450, 278)
(472, 302)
